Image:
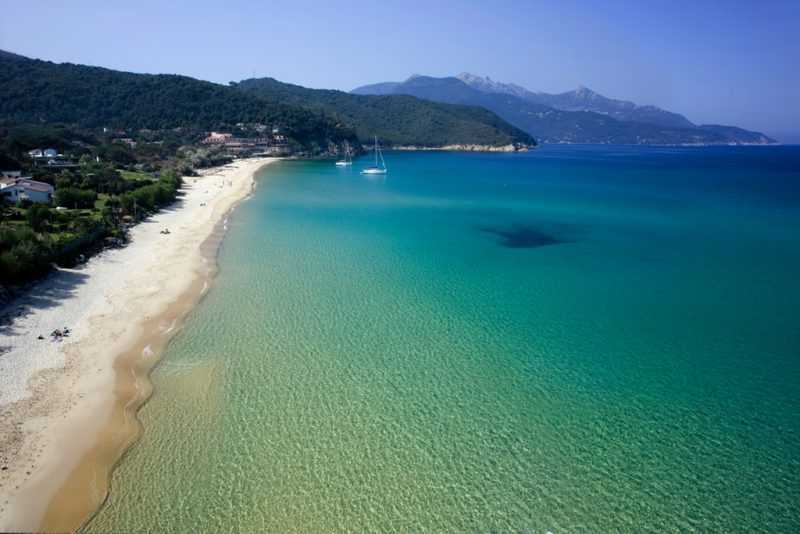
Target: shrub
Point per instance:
(25, 255)
(72, 197)
(38, 216)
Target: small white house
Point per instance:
(16, 190)
(10, 174)
(43, 153)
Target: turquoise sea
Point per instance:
(575, 339)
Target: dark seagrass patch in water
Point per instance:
(523, 236)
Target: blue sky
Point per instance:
(733, 62)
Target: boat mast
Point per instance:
(376, 151)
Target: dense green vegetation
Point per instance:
(112, 187)
(34, 91)
(397, 119)
(33, 236)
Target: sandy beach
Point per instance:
(67, 408)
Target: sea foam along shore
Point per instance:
(67, 409)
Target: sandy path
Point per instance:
(57, 398)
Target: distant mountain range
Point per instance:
(579, 116)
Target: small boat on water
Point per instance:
(348, 157)
(376, 169)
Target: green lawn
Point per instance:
(135, 175)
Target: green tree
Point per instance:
(72, 197)
(116, 153)
(25, 254)
(38, 216)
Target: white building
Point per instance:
(43, 153)
(15, 190)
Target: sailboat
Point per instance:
(375, 169)
(348, 158)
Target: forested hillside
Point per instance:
(35, 91)
(397, 119)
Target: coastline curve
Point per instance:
(87, 424)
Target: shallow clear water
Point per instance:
(576, 339)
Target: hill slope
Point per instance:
(397, 119)
(35, 91)
(580, 116)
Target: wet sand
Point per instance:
(68, 410)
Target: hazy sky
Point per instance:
(731, 62)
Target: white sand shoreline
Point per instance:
(55, 397)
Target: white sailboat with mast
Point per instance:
(348, 157)
(376, 169)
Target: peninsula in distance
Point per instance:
(578, 116)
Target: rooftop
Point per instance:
(26, 183)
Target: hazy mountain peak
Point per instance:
(487, 85)
(584, 93)
(468, 78)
